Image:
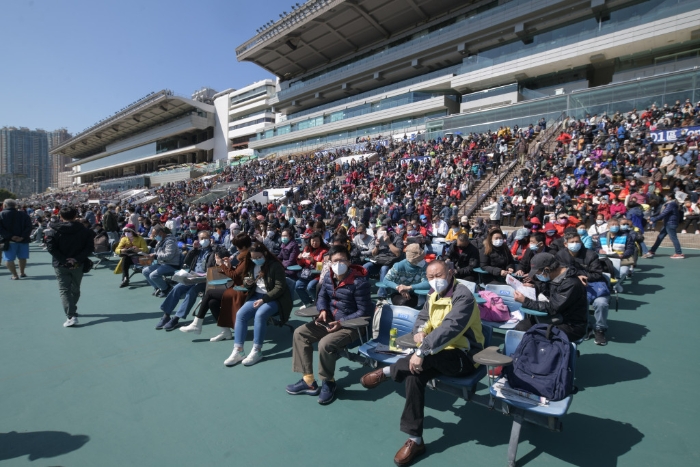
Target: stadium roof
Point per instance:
(321, 31)
(145, 113)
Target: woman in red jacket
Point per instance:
(313, 254)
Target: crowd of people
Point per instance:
(390, 214)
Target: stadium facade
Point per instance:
(354, 68)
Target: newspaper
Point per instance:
(518, 286)
(504, 391)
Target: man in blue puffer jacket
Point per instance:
(344, 295)
(671, 217)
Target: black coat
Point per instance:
(69, 240)
(586, 261)
(567, 297)
(493, 263)
(465, 260)
(14, 223)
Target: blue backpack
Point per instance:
(541, 363)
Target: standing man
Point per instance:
(110, 223)
(70, 243)
(15, 229)
(671, 216)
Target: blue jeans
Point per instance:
(261, 314)
(154, 275)
(670, 230)
(371, 268)
(306, 289)
(601, 305)
(190, 293)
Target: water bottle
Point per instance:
(392, 338)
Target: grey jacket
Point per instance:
(167, 251)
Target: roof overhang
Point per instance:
(148, 112)
(321, 31)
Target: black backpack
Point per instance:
(541, 363)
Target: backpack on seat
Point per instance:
(493, 309)
(541, 363)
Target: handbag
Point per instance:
(87, 265)
(597, 289)
(627, 261)
(385, 259)
(120, 266)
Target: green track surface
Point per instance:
(116, 392)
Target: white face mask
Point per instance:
(205, 243)
(438, 285)
(498, 242)
(129, 235)
(339, 268)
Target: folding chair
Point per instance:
(548, 416)
(393, 316)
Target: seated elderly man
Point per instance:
(344, 295)
(448, 334)
(168, 255)
(408, 275)
(198, 261)
(567, 303)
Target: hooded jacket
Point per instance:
(350, 298)
(69, 240)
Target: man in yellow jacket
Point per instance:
(448, 334)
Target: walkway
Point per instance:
(115, 392)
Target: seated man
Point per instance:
(387, 250)
(448, 333)
(408, 275)
(465, 258)
(537, 245)
(198, 260)
(168, 256)
(344, 295)
(591, 270)
(567, 304)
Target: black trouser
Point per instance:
(520, 215)
(447, 362)
(690, 220)
(211, 301)
(127, 262)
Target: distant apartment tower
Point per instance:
(58, 162)
(25, 152)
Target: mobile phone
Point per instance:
(322, 324)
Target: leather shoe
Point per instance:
(408, 452)
(373, 379)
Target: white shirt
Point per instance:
(259, 281)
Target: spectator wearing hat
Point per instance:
(567, 302)
(129, 247)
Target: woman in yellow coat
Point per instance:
(129, 247)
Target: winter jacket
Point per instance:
(109, 221)
(14, 223)
(621, 244)
(316, 257)
(585, 261)
(499, 259)
(450, 320)
(349, 299)
(288, 255)
(465, 260)
(138, 241)
(69, 240)
(167, 251)
(669, 214)
(567, 297)
(193, 256)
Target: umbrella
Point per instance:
(305, 202)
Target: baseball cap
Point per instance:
(541, 261)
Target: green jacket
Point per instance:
(276, 285)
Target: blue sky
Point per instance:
(70, 63)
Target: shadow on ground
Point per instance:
(617, 370)
(39, 444)
(623, 332)
(123, 318)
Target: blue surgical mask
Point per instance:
(614, 229)
(258, 261)
(534, 246)
(574, 247)
(285, 240)
(205, 243)
(159, 238)
(582, 231)
(624, 227)
(542, 278)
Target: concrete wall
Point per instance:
(221, 141)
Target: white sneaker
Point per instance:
(224, 335)
(71, 322)
(253, 357)
(236, 357)
(618, 288)
(302, 307)
(683, 231)
(697, 231)
(195, 326)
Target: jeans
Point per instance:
(190, 293)
(601, 305)
(69, 288)
(154, 275)
(452, 362)
(261, 314)
(670, 230)
(371, 269)
(306, 289)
